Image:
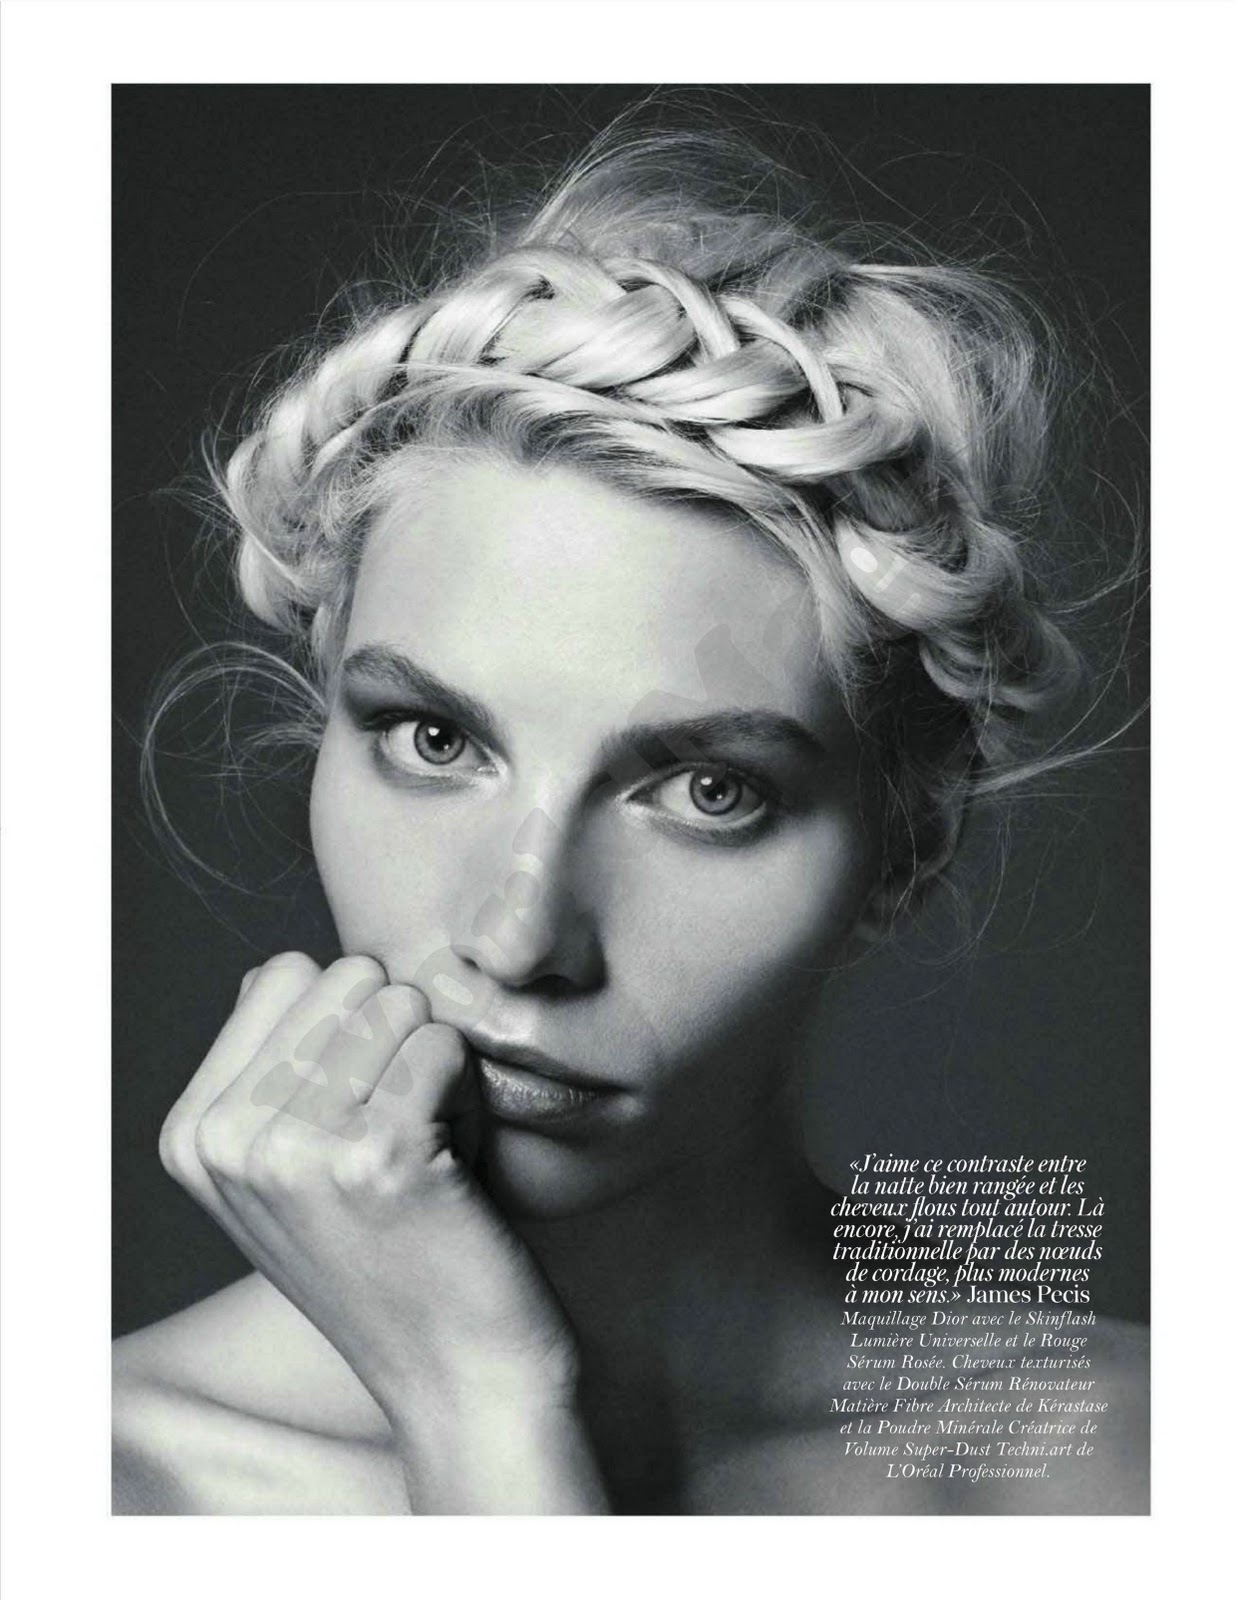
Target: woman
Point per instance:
(660, 593)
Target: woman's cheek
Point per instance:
(720, 947)
(390, 870)
(338, 828)
(369, 879)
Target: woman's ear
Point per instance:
(871, 927)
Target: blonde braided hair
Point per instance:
(883, 424)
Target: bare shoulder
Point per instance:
(236, 1406)
(179, 1395)
(1047, 1416)
(1069, 1429)
(1104, 1468)
(150, 1468)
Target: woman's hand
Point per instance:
(329, 1132)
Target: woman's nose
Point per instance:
(529, 923)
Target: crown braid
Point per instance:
(883, 424)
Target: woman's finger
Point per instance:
(264, 999)
(431, 1082)
(290, 1056)
(262, 1002)
(355, 1058)
(292, 1010)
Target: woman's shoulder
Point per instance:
(1095, 1418)
(156, 1437)
(1066, 1433)
(233, 1406)
(1075, 1437)
(178, 1395)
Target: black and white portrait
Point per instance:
(630, 646)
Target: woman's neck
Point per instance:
(706, 1307)
(695, 1299)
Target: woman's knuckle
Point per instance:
(394, 1012)
(442, 1044)
(363, 1165)
(359, 970)
(216, 1146)
(289, 963)
(449, 1175)
(369, 1017)
(278, 1156)
(176, 1144)
(407, 1004)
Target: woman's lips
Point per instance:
(514, 1094)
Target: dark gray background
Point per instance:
(238, 212)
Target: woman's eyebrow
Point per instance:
(688, 737)
(379, 663)
(636, 745)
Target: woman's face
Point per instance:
(585, 784)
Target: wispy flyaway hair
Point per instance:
(664, 317)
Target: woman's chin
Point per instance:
(533, 1175)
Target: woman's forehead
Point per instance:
(553, 581)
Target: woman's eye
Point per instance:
(710, 794)
(417, 743)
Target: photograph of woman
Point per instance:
(658, 592)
